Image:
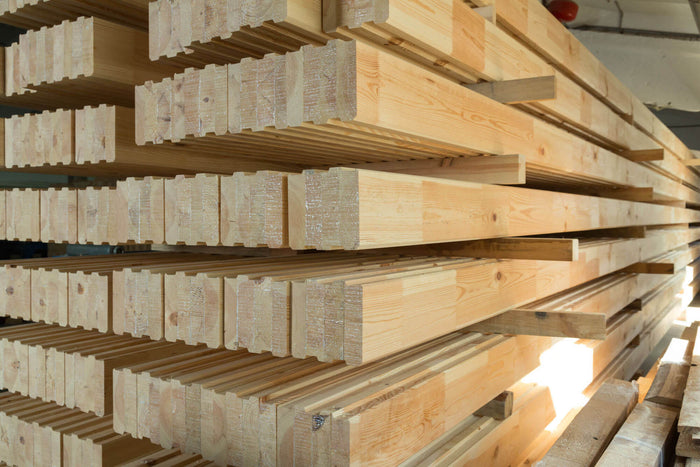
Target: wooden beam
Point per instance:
(348, 130)
(644, 438)
(302, 285)
(551, 40)
(97, 73)
(88, 359)
(289, 403)
(668, 263)
(391, 24)
(431, 211)
(42, 433)
(620, 232)
(590, 432)
(518, 91)
(498, 170)
(644, 155)
(499, 408)
(185, 34)
(100, 140)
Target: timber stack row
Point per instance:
(387, 232)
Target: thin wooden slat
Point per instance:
(669, 383)
(478, 440)
(644, 437)
(588, 435)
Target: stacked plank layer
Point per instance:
(382, 224)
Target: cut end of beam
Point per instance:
(518, 91)
(500, 408)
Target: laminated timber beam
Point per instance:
(310, 412)
(72, 291)
(305, 305)
(350, 125)
(227, 31)
(69, 366)
(100, 140)
(534, 26)
(41, 433)
(33, 14)
(243, 209)
(433, 33)
(590, 432)
(434, 210)
(356, 333)
(671, 262)
(106, 61)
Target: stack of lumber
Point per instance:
(43, 433)
(74, 292)
(391, 232)
(614, 429)
(33, 14)
(243, 209)
(100, 140)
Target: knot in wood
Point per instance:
(317, 422)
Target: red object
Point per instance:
(563, 10)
